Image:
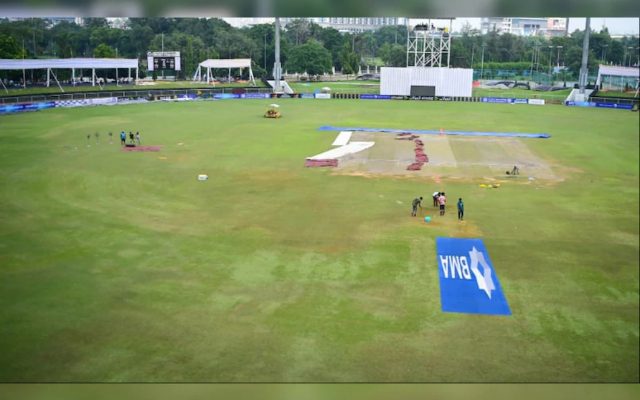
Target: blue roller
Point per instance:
(437, 132)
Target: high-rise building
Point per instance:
(516, 26)
(556, 27)
(351, 24)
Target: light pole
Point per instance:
(604, 52)
(277, 67)
(533, 60)
(630, 50)
(536, 61)
(538, 47)
(558, 58)
(482, 61)
(585, 57)
(473, 48)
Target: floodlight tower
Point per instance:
(428, 45)
(277, 68)
(582, 81)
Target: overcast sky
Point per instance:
(617, 26)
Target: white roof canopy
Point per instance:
(227, 63)
(68, 63)
(613, 70)
(618, 71)
(223, 63)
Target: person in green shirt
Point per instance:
(417, 202)
(460, 209)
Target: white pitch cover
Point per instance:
(350, 148)
(342, 139)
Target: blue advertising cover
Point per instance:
(468, 281)
(255, 95)
(366, 96)
(614, 105)
(223, 96)
(11, 108)
(495, 100)
(579, 103)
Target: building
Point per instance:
(515, 26)
(57, 20)
(351, 25)
(51, 21)
(556, 27)
(238, 22)
(118, 23)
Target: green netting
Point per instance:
(540, 77)
(618, 83)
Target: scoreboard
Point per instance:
(163, 60)
(160, 63)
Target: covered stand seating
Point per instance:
(613, 77)
(70, 63)
(223, 64)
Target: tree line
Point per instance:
(305, 46)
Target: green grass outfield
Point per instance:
(559, 95)
(353, 86)
(123, 267)
(614, 93)
(374, 87)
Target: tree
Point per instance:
(201, 38)
(349, 59)
(263, 39)
(93, 23)
(393, 55)
(332, 40)
(391, 34)
(460, 55)
(574, 60)
(368, 45)
(310, 57)
(468, 30)
(104, 51)
(234, 44)
(298, 30)
(615, 54)
(9, 48)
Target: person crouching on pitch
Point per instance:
(417, 202)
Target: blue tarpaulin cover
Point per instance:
(436, 132)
